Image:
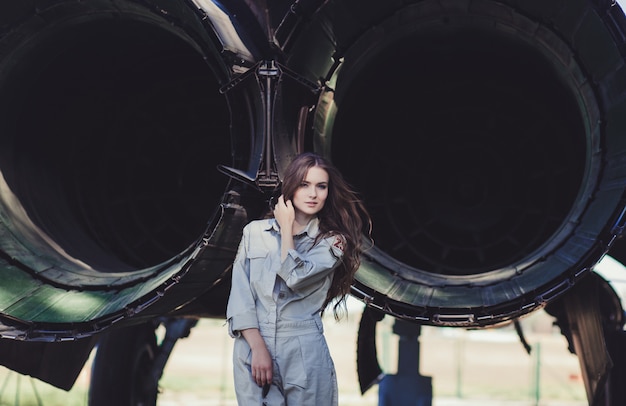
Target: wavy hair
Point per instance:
(343, 214)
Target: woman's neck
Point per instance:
(300, 222)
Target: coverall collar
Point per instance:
(312, 228)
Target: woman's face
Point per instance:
(310, 197)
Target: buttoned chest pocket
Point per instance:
(261, 269)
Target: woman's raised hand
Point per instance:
(284, 213)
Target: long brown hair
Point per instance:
(343, 214)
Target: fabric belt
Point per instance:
(293, 328)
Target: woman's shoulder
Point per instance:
(259, 225)
(337, 243)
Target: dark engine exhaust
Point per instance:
(485, 138)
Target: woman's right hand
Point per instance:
(261, 366)
(261, 359)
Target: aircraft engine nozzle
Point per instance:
(486, 139)
(111, 128)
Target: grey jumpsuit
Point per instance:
(283, 300)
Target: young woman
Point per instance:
(288, 269)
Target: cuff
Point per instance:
(242, 322)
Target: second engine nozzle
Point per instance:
(486, 144)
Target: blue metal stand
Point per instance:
(407, 387)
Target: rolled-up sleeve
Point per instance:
(300, 270)
(241, 311)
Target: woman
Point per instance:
(287, 270)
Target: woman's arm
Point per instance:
(300, 270)
(261, 359)
(240, 310)
(284, 213)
